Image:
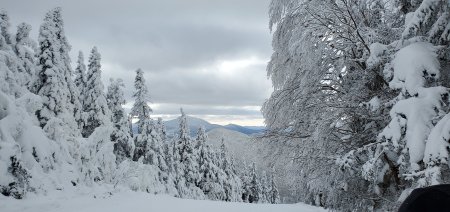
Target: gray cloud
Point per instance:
(197, 109)
(181, 45)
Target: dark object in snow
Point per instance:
(433, 198)
(18, 187)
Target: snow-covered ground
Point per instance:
(101, 200)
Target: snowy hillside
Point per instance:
(102, 200)
(239, 145)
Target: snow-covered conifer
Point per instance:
(25, 49)
(168, 153)
(224, 163)
(115, 99)
(255, 186)
(273, 194)
(80, 75)
(95, 106)
(97, 156)
(162, 129)
(53, 81)
(140, 107)
(141, 140)
(9, 74)
(405, 152)
(246, 184)
(123, 144)
(4, 27)
(210, 182)
(187, 157)
(186, 162)
(80, 83)
(264, 188)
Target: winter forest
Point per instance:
(357, 119)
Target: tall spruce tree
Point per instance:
(141, 140)
(273, 195)
(123, 144)
(95, 107)
(225, 166)
(140, 109)
(246, 184)
(9, 75)
(80, 83)
(162, 129)
(264, 188)
(25, 49)
(4, 27)
(255, 186)
(54, 81)
(80, 75)
(188, 176)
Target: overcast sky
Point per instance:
(207, 56)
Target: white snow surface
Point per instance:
(100, 199)
(410, 63)
(374, 104)
(437, 142)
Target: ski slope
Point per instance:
(134, 201)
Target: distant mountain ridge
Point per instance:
(242, 129)
(194, 123)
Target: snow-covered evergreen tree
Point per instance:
(265, 188)
(162, 129)
(95, 106)
(80, 83)
(141, 140)
(97, 156)
(53, 81)
(140, 107)
(4, 27)
(27, 156)
(168, 153)
(80, 75)
(209, 181)
(246, 184)
(10, 74)
(228, 180)
(273, 194)
(255, 186)
(186, 163)
(25, 49)
(31, 158)
(123, 144)
(224, 162)
(409, 151)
